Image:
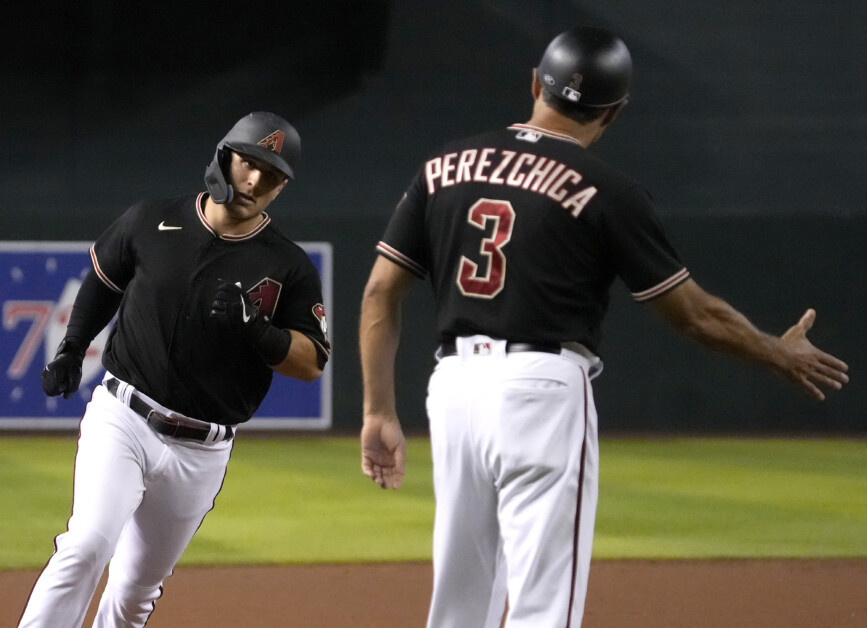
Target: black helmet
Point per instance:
(586, 66)
(261, 135)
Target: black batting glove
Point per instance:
(233, 310)
(63, 374)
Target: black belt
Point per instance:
(449, 348)
(167, 425)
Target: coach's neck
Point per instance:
(550, 119)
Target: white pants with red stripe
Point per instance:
(139, 498)
(516, 459)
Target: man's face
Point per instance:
(256, 184)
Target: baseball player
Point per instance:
(522, 232)
(211, 300)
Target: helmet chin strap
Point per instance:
(219, 188)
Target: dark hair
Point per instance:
(581, 115)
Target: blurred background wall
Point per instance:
(747, 123)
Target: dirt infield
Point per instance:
(627, 594)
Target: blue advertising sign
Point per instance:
(38, 284)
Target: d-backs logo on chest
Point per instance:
(264, 296)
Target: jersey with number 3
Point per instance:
(522, 233)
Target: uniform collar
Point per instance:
(200, 210)
(546, 132)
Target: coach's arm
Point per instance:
(717, 325)
(383, 446)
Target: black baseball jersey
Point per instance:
(168, 262)
(523, 232)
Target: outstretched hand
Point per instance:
(383, 451)
(808, 366)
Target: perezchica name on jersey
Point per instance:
(507, 167)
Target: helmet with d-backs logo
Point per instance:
(261, 135)
(586, 66)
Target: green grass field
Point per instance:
(297, 500)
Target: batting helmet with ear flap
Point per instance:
(261, 135)
(586, 66)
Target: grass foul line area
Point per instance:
(297, 499)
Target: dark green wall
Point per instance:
(746, 123)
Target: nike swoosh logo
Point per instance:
(244, 314)
(164, 227)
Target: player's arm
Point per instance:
(288, 352)
(717, 325)
(302, 361)
(383, 446)
(94, 307)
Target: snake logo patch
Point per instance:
(319, 313)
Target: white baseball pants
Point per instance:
(138, 499)
(516, 458)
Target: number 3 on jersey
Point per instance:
(487, 283)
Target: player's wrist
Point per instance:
(272, 344)
(72, 346)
